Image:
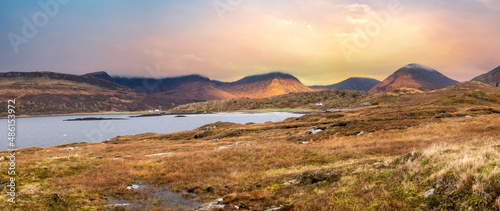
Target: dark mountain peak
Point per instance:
(157, 85)
(98, 73)
(192, 77)
(414, 67)
(360, 79)
(101, 74)
(195, 77)
(353, 83)
(265, 77)
(491, 77)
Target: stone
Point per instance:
(211, 207)
(134, 187)
(314, 131)
(361, 133)
(158, 154)
(429, 192)
(117, 205)
(290, 182)
(215, 204)
(235, 144)
(365, 104)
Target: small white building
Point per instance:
(319, 104)
(157, 110)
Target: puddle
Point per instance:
(150, 197)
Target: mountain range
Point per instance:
(48, 92)
(202, 88)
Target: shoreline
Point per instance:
(169, 114)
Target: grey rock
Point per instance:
(429, 192)
(135, 187)
(158, 154)
(215, 204)
(117, 205)
(313, 131)
(365, 104)
(290, 182)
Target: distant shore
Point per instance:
(228, 112)
(75, 114)
(165, 113)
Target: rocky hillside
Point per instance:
(266, 85)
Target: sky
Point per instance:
(318, 41)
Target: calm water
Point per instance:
(50, 131)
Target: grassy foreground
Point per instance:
(447, 142)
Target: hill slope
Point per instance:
(266, 85)
(197, 91)
(492, 77)
(414, 76)
(354, 83)
(292, 101)
(57, 93)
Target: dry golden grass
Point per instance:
(404, 152)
